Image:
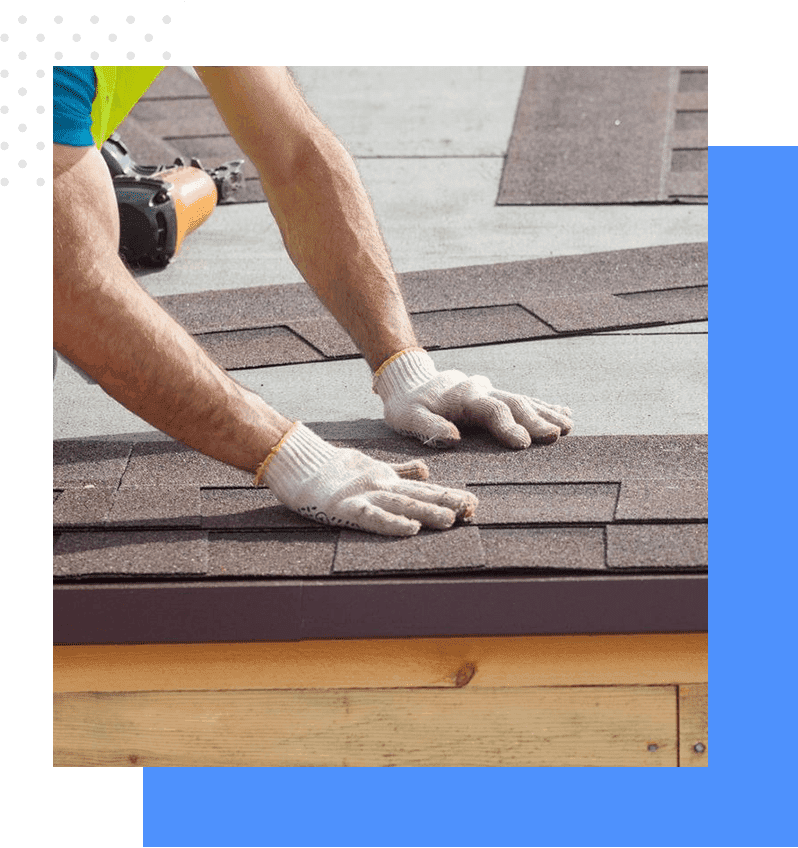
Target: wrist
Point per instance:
(298, 456)
(404, 371)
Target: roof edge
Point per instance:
(292, 610)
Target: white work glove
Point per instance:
(423, 402)
(346, 488)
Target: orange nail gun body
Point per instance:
(159, 205)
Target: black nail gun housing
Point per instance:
(160, 204)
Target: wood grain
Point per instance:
(693, 725)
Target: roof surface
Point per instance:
(457, 307)
(604, 533)
(609, 135)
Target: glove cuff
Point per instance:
(299, 455)
(403, 372)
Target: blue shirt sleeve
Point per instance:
(74, 89)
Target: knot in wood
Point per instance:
(464, 674)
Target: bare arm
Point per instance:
(318, 200)
(111, 328)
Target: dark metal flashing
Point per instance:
(290, 610)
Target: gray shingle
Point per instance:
(657, 546)
(173, 464)
(547, 548)
(662, 499)
(77, 462)
(483, 304)
(151, 553)
(548, 503)
(247, 509)
(297, 554)
(431, 550)
(594, 135)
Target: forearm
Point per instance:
(147, 362)
(330, 232)
(111, 328)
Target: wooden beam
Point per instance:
(642, 659)
(547, 726)
(693, 725)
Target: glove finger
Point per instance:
(415, 469)
(430, 429)
(553, 407)
(373, 519)
(496, 416)
(461, 502)
(429, 514)
(543, 425)
(559, 415)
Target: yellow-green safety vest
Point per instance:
(119, 88)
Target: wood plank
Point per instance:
(693, 724)
(549, 726)
(371, 663)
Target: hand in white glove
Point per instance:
(423, 402)
(346, 488)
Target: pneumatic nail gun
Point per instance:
(159, 205)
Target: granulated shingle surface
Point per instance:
(549, 503)
(457, 307)
(170, 464)
(662, 499)
(143, 527)
(456, 549)
(165, 553)
(597, 135)
(657, 546)
(247, 509)
(566, 548)
(251, 348)
(78, 462)
(300, 554)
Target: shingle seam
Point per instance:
(538, 318)
(617, 502)
(670, 122)
(657, 291)
(564, 334)
(659, 521)
(122, 528)
(127, 465)
(335, 553)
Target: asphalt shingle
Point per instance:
(545, 548)
(452, 550)
(606, 482)
(251, 348)
(136, 553)
(299, 554)
(173, 464)
(457, 307)
(647, 546)
(546, 503)
(597, 134)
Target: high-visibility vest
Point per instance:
(118, 90)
